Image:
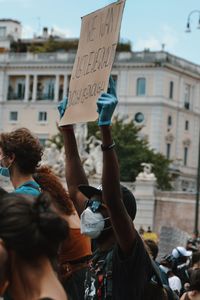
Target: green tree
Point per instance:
(132, 151)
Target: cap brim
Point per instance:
(89, 191)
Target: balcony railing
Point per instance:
(42, 96)
(158, 58)
(38, 57)
(14, 96)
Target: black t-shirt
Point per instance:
(125, 278)
(130, 275)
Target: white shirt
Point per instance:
(175, 283)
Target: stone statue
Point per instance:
(91, 159)
(81, 132)
(147, 172)
(93, 163)
(54, 158)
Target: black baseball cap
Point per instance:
(127, 195)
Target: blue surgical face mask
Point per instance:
(4, 171)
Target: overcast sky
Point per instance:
(147, 24)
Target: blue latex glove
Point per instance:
(106, 104)
(62, 106)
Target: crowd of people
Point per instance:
(80, 243)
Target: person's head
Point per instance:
(50, 183)
(194, 286)
(29, 228)
(141, 230)
(195, 262)
(181, 254)
(192, 245)
(19, 149)
(149, 229)
(167, 263)
(152, 248)
(95, 218)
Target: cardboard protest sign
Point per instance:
(93, 63)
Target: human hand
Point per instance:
(106, 104)
(62, 106)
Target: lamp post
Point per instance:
(196, 220)
(195, 11)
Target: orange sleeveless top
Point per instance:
(74, 247)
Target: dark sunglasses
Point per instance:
(94, 205)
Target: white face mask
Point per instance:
(92, 224)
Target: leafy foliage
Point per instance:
(52, 45)
(55, 44)
(132, 151)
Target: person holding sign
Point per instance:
(120, 267)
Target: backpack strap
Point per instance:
(104, 285)
(108, 275)
(156, 273)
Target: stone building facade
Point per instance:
(157, 91)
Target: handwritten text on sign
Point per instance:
(93, 63)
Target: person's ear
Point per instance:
(10, 159)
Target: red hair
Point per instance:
(50, 183)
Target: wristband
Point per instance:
(67, 127)
(109, 147)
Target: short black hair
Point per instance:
(195, 257)
(195, 280)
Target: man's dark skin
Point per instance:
(124, 236)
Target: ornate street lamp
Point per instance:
(195, 11)
(196, 220)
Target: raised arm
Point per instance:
(121, 222)
(74, 171)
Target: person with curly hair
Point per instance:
(75, 251)
(20, 155)
(30, 234)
